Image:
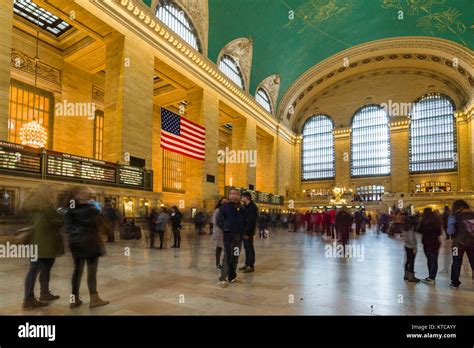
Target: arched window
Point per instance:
(263, 99)
(318, 148)
(177, 20)
(370, 142)
(231, 69)
(433, 135)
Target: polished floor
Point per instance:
(295, 275)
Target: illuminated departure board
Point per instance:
(130, 176)
(80, 168)
(16, 159)
(20, 158)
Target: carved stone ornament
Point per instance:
(27, 64)
(271, 85)
(241, 50)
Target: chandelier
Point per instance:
(33, 134)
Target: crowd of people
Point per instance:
(233, 224)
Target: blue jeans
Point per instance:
(432, 260)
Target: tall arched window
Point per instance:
(433, 135)
(177, 20)
(318, 148)
(370, 142)
(263, 99)
(231, 69)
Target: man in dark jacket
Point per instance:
(230, 221)
(343, 224)
(250, 211)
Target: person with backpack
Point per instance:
(410, 246)
(461, 229)
(176, 218)
(161, 223)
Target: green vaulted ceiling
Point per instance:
(321, 28)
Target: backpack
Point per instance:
(465, 231)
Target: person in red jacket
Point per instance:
(327, 222)
(332, 214)
(319, 222)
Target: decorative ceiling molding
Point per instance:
(26, 65)
(271, 85)
(198, 13)
(457, 92)
(241, 50)
(405, 49)
(137, 17)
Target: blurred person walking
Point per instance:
(218, 236)
(161, 224)
(45, 224)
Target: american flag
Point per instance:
(182, 136)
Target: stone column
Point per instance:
(400, 177)
(465, 147)
(265, 169)
(6, 18)
(128, 119)
(342, 153)
(244, 137)
(203, 109)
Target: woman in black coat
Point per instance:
(431, 229)
(83, 224)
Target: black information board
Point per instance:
(131, 176)
(20, 158)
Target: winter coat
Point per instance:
(217, 234)
(162, 221)
(46, 232)
(84, 225)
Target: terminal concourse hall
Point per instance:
(247, 157)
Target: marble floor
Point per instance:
(295, 275)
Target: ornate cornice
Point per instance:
(169, 43)
(27, 65)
